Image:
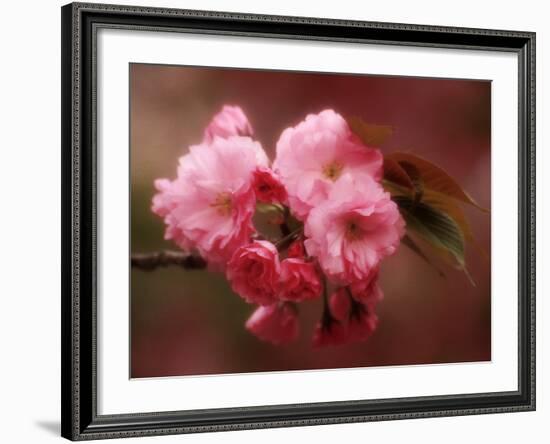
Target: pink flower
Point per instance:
(230, 121)
(164, 203)
(268, 186)
(368, 292)
(362, 324)
(276, 323)
(209, 206)
(299, 280)
(363, 320)
(296, 250)
(340, 304)
(331, 333)
(332, 329)
(253, 272)
(356, 227)
(315, 154)
(347, 321)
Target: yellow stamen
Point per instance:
(223, 204)
(353, 231)
(332, 170)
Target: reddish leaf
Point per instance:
(369, 133)
(394, 173)
(434, 177)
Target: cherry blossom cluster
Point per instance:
(337, 223)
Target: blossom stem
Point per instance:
(285, 229)
(285, 241)
(158, 259)
(356, 307)
(326, 317)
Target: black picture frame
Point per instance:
(80, 420)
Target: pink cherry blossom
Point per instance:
(356, 227)
(276, 323)
(362, 324)
(268, 187)
(347, 321)
(253, 272)
(340, 304)
(368, 291)
(230, 121)
(299, 280)
(209, 206)
(296, 249)
(330, 333)
(164, 202)
(315, 154)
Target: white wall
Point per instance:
(30, 220)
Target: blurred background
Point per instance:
(190, 322)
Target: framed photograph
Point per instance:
(282, 221)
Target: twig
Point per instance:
(284, 242)
(152, 261)
(190, 261)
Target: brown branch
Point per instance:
(152, 261)
(190, 261)
(284, 242)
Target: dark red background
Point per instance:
(186, 323)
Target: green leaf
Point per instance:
(292, 222)
(397, 185)
(369, 133)
(453, 210)
(266, 208)
(450, 207)
(435, 227)
(433, 177)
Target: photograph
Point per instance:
(293, 221)
(266, 222)
(273, 221)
